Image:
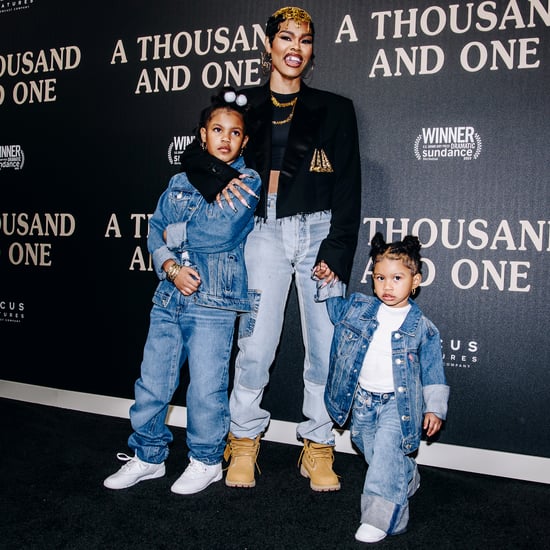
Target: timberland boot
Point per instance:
(243, 453)
(316, 464)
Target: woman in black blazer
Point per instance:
(304, 144)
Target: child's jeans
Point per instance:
(178, 331)
(392, 477)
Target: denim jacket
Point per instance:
(207, 238)
(417, 359)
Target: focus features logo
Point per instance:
(460, 353)
(460, 142)
(177, 147)
(11, 311)
(11, 156)
(15, 5)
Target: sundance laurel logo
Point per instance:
(177, 147)
(11, 156)
(458, 142)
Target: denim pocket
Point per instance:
(163, 294)
(347, 340)
(247, 321)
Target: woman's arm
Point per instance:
(212, 228)
(338, 248)
(208, 174)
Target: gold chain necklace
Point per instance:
(291, 103)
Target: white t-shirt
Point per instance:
(376, 373)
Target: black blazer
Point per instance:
(321, 169)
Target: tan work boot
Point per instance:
(243, 452)
(317, 460)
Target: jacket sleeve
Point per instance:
(155, 242)
(434, 387)
(208, 174)
(212, 229)
(338, 248)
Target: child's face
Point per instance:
(394, 282)
(224, 134)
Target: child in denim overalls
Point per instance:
(386, 367)
(198, 255)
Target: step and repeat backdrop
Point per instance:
(98, 101)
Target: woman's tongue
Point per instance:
(293, 60)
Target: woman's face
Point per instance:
(292, 49)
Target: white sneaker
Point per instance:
(197, 476)
(369, 533)
(134, 471)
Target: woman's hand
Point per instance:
(233, 189)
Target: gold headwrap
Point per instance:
(297, 14)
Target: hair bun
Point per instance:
(412, 244)
(378, 245)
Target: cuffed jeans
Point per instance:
(275, 252)
(181, 330)
(392, 476)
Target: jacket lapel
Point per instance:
(304, 132)
(260, 142)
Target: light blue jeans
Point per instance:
(275, 252)
(178, 331)
(392, 476)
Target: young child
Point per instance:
(386, 367)
(198, 254)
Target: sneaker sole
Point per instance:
(370, 540)
(156, 475)
(176, 491)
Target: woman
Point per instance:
(304, 144)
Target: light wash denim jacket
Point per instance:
(418, 372)
(207, 238)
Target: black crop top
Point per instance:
(279, 132)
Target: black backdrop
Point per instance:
(97, 101)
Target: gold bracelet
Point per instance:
(172, 272)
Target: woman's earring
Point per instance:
(309, 74)
(265, 63)
(203, 145)
(413, 291)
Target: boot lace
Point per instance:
(195, 467)
(132, 463)
(317, 452)
(244, 446)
